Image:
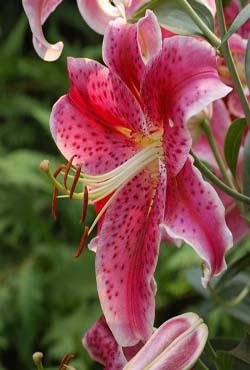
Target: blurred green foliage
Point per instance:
(47, 298)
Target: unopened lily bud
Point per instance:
(37, 358)
(177, 344)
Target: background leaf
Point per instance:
(178, 21)
(233, 142)
(241, 18)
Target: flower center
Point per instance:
(110, 183)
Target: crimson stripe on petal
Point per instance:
(77, 132)
(100, 91)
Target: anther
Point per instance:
(55, 192)
(54, 203)
(58, 170)
(85, 204)
(82, 242)
(65, 361)
(76, 178)
(67, 169)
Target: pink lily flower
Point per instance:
(97, 14)
(220, 122)
(176, 344)
(128, 133)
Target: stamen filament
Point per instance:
(90, 179)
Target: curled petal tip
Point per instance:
(46, 51)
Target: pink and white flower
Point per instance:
(96, 13)
(129, 135)
(176, 344)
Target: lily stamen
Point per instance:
(67, 169)
(75, 181)
(82, 242)
(85, 204)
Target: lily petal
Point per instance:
(236, 224)
(98, 13)
(77, 132)
(126, 257)
(127, 47)
(195, 213)
(234, 104)
(37, 12)
(101, 91)
(177, 344)
(220, 123)
(173, 90)
(94, 120)
(103, 347)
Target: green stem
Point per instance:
(215, 180)
(230, 62)
(212, 355)
(234, 302)
(201, 366)
(207, 129)
(214, 40)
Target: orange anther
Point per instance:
(76, 178)
(85, 204)
(82, 242)
(58, 170)
(54, 203)
(67, 169)
(65, 361)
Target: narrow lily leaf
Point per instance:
(232, 143)
(242, 351)
(171, 15)
(233, 269)
(247, 64)
(246, 174)
(241, 18)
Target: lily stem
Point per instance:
(211, 354)
(201, 366)
(230, 62)
(207, 129)
(215, 180)
(214, 40)
(234, 302)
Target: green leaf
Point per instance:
(247, 64)
(246, 174)
(242, 351)
(15, 40)
(233, 269)
(241, 18)
(178, 21)
(232, 143)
